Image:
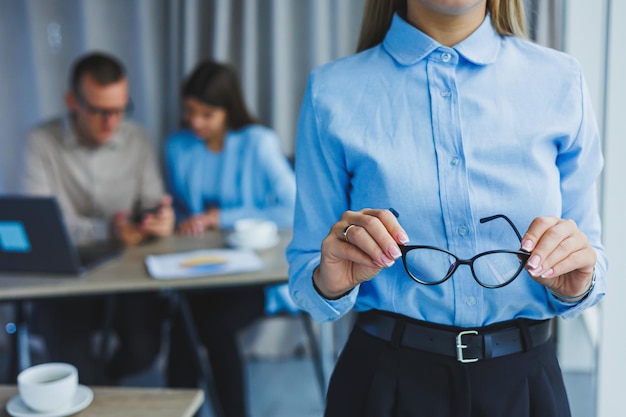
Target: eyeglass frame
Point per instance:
(105, 113)
(524, 256)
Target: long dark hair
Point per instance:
(507, 16)
(217, 85)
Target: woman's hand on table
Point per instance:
(197, 224)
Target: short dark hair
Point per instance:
(217, 85)
(104, 68)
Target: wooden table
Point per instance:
(128, 273)
(130, 402)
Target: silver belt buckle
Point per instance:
(460, 347)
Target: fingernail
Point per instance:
(388, 262)
(394, 251)
(548, 273)
(402, 237)
(380, 264)
(534, 261)
(527, 245)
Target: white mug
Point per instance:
(255, 233)
(48, 387)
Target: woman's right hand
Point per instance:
(196, 225)
(357, 248)
(192, 226)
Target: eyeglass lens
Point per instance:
(432, 266)
(105, 113)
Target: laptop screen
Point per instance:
(33, 237)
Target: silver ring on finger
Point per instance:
(345, 232)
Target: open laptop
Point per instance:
(33, 238)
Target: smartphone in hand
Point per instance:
(138, 215)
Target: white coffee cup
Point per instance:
(255, 233)
(48, 387)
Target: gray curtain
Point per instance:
(273, 43)
(545, 22)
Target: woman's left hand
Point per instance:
(561, 258)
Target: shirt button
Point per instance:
(463, 230)
(445, 93)
(446, 56)
(471, 301)
(455, 161)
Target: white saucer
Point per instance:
(82, 398)
(234, 240)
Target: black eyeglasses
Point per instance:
(429, 265)
(105, 113)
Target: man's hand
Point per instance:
(125, 231)
(160, 223)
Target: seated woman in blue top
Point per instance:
(223, 168)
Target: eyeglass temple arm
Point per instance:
(502, 216)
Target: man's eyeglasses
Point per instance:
(430, 265)
(106, 113)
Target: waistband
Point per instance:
(465, 344)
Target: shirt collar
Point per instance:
(409, 45)
(70, 139)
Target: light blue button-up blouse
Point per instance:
(446, 136)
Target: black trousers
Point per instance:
(218, 316)
(68, 324)
(374, 378)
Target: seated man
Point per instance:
(102, 169)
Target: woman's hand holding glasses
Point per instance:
(357, 247)
(556, 254)
(562, 258)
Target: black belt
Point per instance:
(466, 345)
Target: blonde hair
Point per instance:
(508, 17)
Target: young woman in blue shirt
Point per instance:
(449, 116)
(222, 168)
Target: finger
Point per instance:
(581, 261)
(367, 231)
(558, 240)
(531, 239)
(343, 266)
(564, 257)
(389, 218)
(536, 229)
(166, 200)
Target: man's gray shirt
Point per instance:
(92, 184)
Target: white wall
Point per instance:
(584, 38)
(595, 34)
(612, 358)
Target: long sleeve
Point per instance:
(322, 180)
(446, 136)
(580, 163)
(41, 176)
(92, 184)
(266, 181)
(255, 179)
